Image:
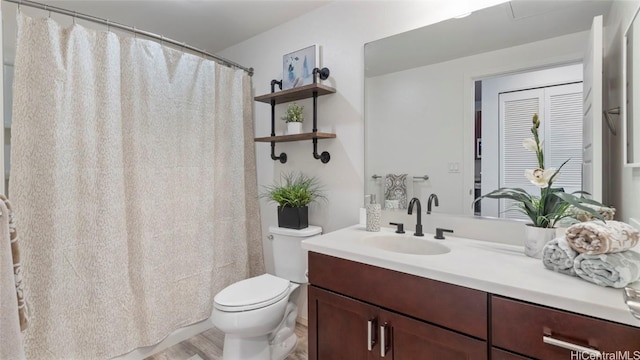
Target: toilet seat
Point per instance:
(253, 293)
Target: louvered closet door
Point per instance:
(516, 114)
(563, 134)
(560, 111)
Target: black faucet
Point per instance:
(419, 222)
(440, 233)
(431, 198)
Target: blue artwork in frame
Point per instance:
(297, 67)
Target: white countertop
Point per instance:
(495, 268)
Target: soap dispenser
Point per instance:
(373, 214)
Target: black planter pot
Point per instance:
(293, 218)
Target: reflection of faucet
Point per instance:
(431, 198)
(419, 221)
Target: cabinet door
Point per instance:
(411, 339)
(339, 327)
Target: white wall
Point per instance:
(625, 182)
(420, 114)
(341, 29)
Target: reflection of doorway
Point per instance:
(503, 157)
(559, 109)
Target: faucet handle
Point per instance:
(439, 233)
(400, 227)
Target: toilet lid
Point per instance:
(252, 293)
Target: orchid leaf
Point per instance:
(553, 177)
(578, 201)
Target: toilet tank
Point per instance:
(290, 259)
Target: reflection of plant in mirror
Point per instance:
(294, 113)
(553, 204)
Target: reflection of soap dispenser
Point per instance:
(373, 215)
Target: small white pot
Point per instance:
(294, 128)
(535, 239)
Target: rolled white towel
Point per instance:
(597, 237)
(558, 256)
(614, 270)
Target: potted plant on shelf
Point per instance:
(551, 206)
(294, 119)
(293, 194)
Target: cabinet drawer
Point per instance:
(520, 327)
(497, 354)
(451, 306)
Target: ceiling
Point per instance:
(505, 25)
(211, 25)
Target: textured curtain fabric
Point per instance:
(133, 170)
(11, 346)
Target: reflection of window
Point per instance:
(560, 112)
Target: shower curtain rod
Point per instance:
(132, 29)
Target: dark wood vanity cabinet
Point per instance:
(499, 354)
(352, 306)
(358, 311)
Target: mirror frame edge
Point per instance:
(623, 101)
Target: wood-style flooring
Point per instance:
(208, 346)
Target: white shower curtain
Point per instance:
(134, 183)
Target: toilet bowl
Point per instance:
(258, 314)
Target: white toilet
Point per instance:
(256, 314)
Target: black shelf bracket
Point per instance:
(325, 156)
(322, 73)
(282, 157)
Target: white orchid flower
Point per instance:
(540, 177)
(530, 144)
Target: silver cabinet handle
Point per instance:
(371, 334)
(569, 346)
(383, 340)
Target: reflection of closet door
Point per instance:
(563, 134)
(592, 134)
(559, 109)
(516, 114)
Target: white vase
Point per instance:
(535, 239)
(294, 128)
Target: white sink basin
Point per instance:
(404, 244)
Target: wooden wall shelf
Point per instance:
(303, 92)
(299, 93)
(296, 137)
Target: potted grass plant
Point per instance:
(293, 193)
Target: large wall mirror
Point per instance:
(435, 102)
(631, 98)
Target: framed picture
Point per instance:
(297, 67)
